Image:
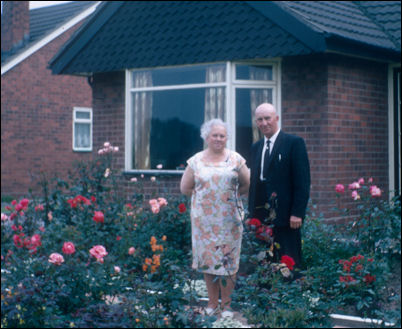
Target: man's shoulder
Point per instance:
(257, 143)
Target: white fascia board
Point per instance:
(49, 38)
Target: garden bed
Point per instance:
(67, 258)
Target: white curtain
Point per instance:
(215, 97)
(82, 134)
(142, 115)
(257, 97)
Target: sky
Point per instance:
(39, 4)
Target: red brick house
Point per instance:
(159, 69)
(45, 119)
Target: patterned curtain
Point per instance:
(215, 97)
(257, 97)
(142, 115)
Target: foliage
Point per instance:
(84, 256)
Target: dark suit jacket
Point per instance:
(288, 176)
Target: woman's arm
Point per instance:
(244, 180)
(187, 182)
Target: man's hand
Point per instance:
(295, 222)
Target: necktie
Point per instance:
(266, 159)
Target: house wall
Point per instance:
(36, 120)
(337, 104)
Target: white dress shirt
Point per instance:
(264, 149)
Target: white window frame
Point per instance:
(230, 85)
(87, 121)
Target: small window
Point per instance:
(82, 129)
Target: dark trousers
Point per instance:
(288, 239)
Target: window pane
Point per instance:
(82, 135)
(252, 72)
(166, 124)
(247, 133)
(182, 75)
(82, 115)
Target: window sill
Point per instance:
(83, 151)
(133, 173)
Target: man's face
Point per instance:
(267, 120)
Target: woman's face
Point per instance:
(217, 138)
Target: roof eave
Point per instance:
(315, 40)
(337, 44)
(67, 53)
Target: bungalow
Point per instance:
(159, 69)
(46, 120)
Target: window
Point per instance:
(166, 107)
(82, 129)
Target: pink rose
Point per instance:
(99, 217)
(339, 188)
(153, 202)
(56, 258)
(375, 191)
(117, 269)
(39, 207)
(68, 248)
(354, 186)
(155, 209)
(98, 252)
(35, 241)
(159, 166)
(162, 202)
(355, 195)
(361, 181)
(131, 251)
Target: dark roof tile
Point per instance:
(136, 34)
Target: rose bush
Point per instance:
(84, 256)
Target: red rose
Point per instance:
(288, 261)
(254, 223)
(264, 233)
(99, 217)
(182, 208)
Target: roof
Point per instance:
(375, 23)
(136, 34)
(43, 22)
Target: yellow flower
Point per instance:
(137, 320)
(153, 240)
(164, 238)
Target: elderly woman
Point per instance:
(215, 178)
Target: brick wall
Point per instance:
(14, 24)
(109, 125)
(339, 105)
(36, 120)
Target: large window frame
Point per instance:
(231, 84)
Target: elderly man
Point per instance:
(280, 182)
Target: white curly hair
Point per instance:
(207, 127)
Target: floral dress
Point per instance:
(216, 227)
